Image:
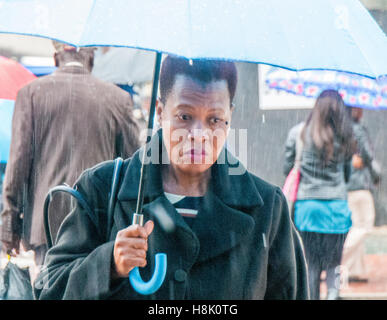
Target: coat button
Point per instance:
(180, 275)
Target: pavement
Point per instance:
(376, 262)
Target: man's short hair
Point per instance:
(204, 70)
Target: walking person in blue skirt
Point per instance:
(321, 212)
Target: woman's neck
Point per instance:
(177, 182)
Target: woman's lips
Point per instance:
(197, 152)
(197, 156)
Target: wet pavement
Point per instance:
(376, 261)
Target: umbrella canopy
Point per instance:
(13, 76)
(124, 66)
(294, 34)
(356, 91)
(6, 112)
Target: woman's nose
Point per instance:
(199, 134)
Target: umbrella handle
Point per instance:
(159, 273)
(157, 279)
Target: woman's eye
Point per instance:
(184, 117)
(216, 120)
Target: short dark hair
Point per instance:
(84, 55)
(205, 70)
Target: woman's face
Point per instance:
(195, 121)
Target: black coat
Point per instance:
(363, 178)
(242, 245)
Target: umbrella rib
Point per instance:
(86, 23)
(290, 44)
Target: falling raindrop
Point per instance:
(264, 240)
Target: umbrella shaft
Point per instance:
(140, 198)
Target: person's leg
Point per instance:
(368, 219)
(353, 253)
(363, 217)
(311, 246)
(333, 244)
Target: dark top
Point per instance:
(188, 207)
(361, 179)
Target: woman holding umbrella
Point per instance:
(232, 238)
(321, 212)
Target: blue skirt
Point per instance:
(322, 216)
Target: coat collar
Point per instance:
(232, 190)
(72, 70)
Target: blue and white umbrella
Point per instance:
(294, 34)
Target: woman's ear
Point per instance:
(232, 107)
(159, 110)
(56, 61)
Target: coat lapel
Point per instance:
(161, 211)
(220, 227)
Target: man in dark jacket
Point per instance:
(360, 200)
(62, 124)
(239, 242)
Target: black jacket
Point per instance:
(242, 245)
(362, 179)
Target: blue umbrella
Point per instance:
(6, 112)
(294, 34)
(356, 91)
(40, 71)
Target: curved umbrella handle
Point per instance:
(157, 279)
(159, 273)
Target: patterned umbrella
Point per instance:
(356, 91)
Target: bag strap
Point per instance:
(299, 147)
(113, 194)
(83, 203)
(61, 188)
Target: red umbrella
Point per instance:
(13, 76)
